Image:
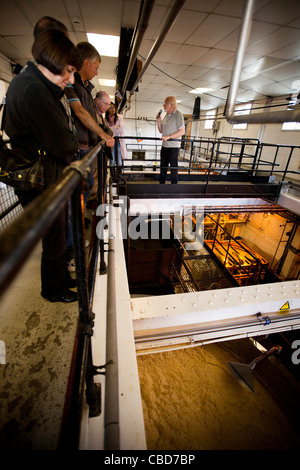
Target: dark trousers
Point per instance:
(169, 156)
(90, 179)
(54, 273)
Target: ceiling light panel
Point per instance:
(105, 44)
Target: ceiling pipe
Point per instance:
(168, 24)
(259, 118)
(139, 34)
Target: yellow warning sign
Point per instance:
(285, 307)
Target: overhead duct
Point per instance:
(168, 24)
(260, 118)
(126, 39)
(142, 25)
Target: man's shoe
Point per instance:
(66, 296)
(71, 283)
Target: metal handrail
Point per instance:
(20, 238)
(111, 414)
(215, 147)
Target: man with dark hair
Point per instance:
(82, 104)
(81, 101)
(84, 111)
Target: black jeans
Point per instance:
(54, 273)
(169, 156)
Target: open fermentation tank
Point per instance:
(189, 246)
(201, 270)
(174, 295)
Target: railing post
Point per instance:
(102, 174)
(209, 167)
(255, 157)
(191, 156)
(287, 163)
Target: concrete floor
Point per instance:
(39, 337)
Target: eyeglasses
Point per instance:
(104, 102)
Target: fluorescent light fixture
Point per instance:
(105, 44)
(105, 82)
(198, 91)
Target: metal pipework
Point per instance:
(167, 26)
(142, 26)
(259, 118)
(111, 415)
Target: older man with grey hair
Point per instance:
(171, 127)
(81, 101)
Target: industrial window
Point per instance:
(291, 126)
(210, 117)
(240, 110)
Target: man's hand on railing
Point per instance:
(109, 141)
(166, 137)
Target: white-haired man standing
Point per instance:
(171, 127)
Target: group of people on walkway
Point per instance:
(50, 109)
